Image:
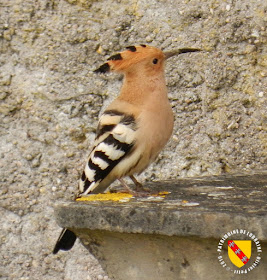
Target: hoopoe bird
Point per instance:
(133, 129)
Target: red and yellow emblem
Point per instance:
(239, 251)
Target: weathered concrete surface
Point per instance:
(157, 257)
(175, 238)
(50, 101)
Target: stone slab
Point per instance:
(201, 207)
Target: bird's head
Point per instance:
(141, 59)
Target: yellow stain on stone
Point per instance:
(161, 194)
(106, 197)
(120, 197)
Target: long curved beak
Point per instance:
(179, 51)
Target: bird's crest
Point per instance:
(131, 56)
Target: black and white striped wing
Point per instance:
(115, 138)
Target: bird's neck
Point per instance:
(138, 89)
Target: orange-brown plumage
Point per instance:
(143, 98)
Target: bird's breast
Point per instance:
(156, 130)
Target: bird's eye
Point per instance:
(155, 61)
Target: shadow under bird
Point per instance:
(133, 129)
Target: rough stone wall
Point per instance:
(51, 100)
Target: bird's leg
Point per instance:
(139, 187)
(128, 189)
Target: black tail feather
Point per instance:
(65, 241)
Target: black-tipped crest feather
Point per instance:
(115, 57)
(131, 48)
(104, 68)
